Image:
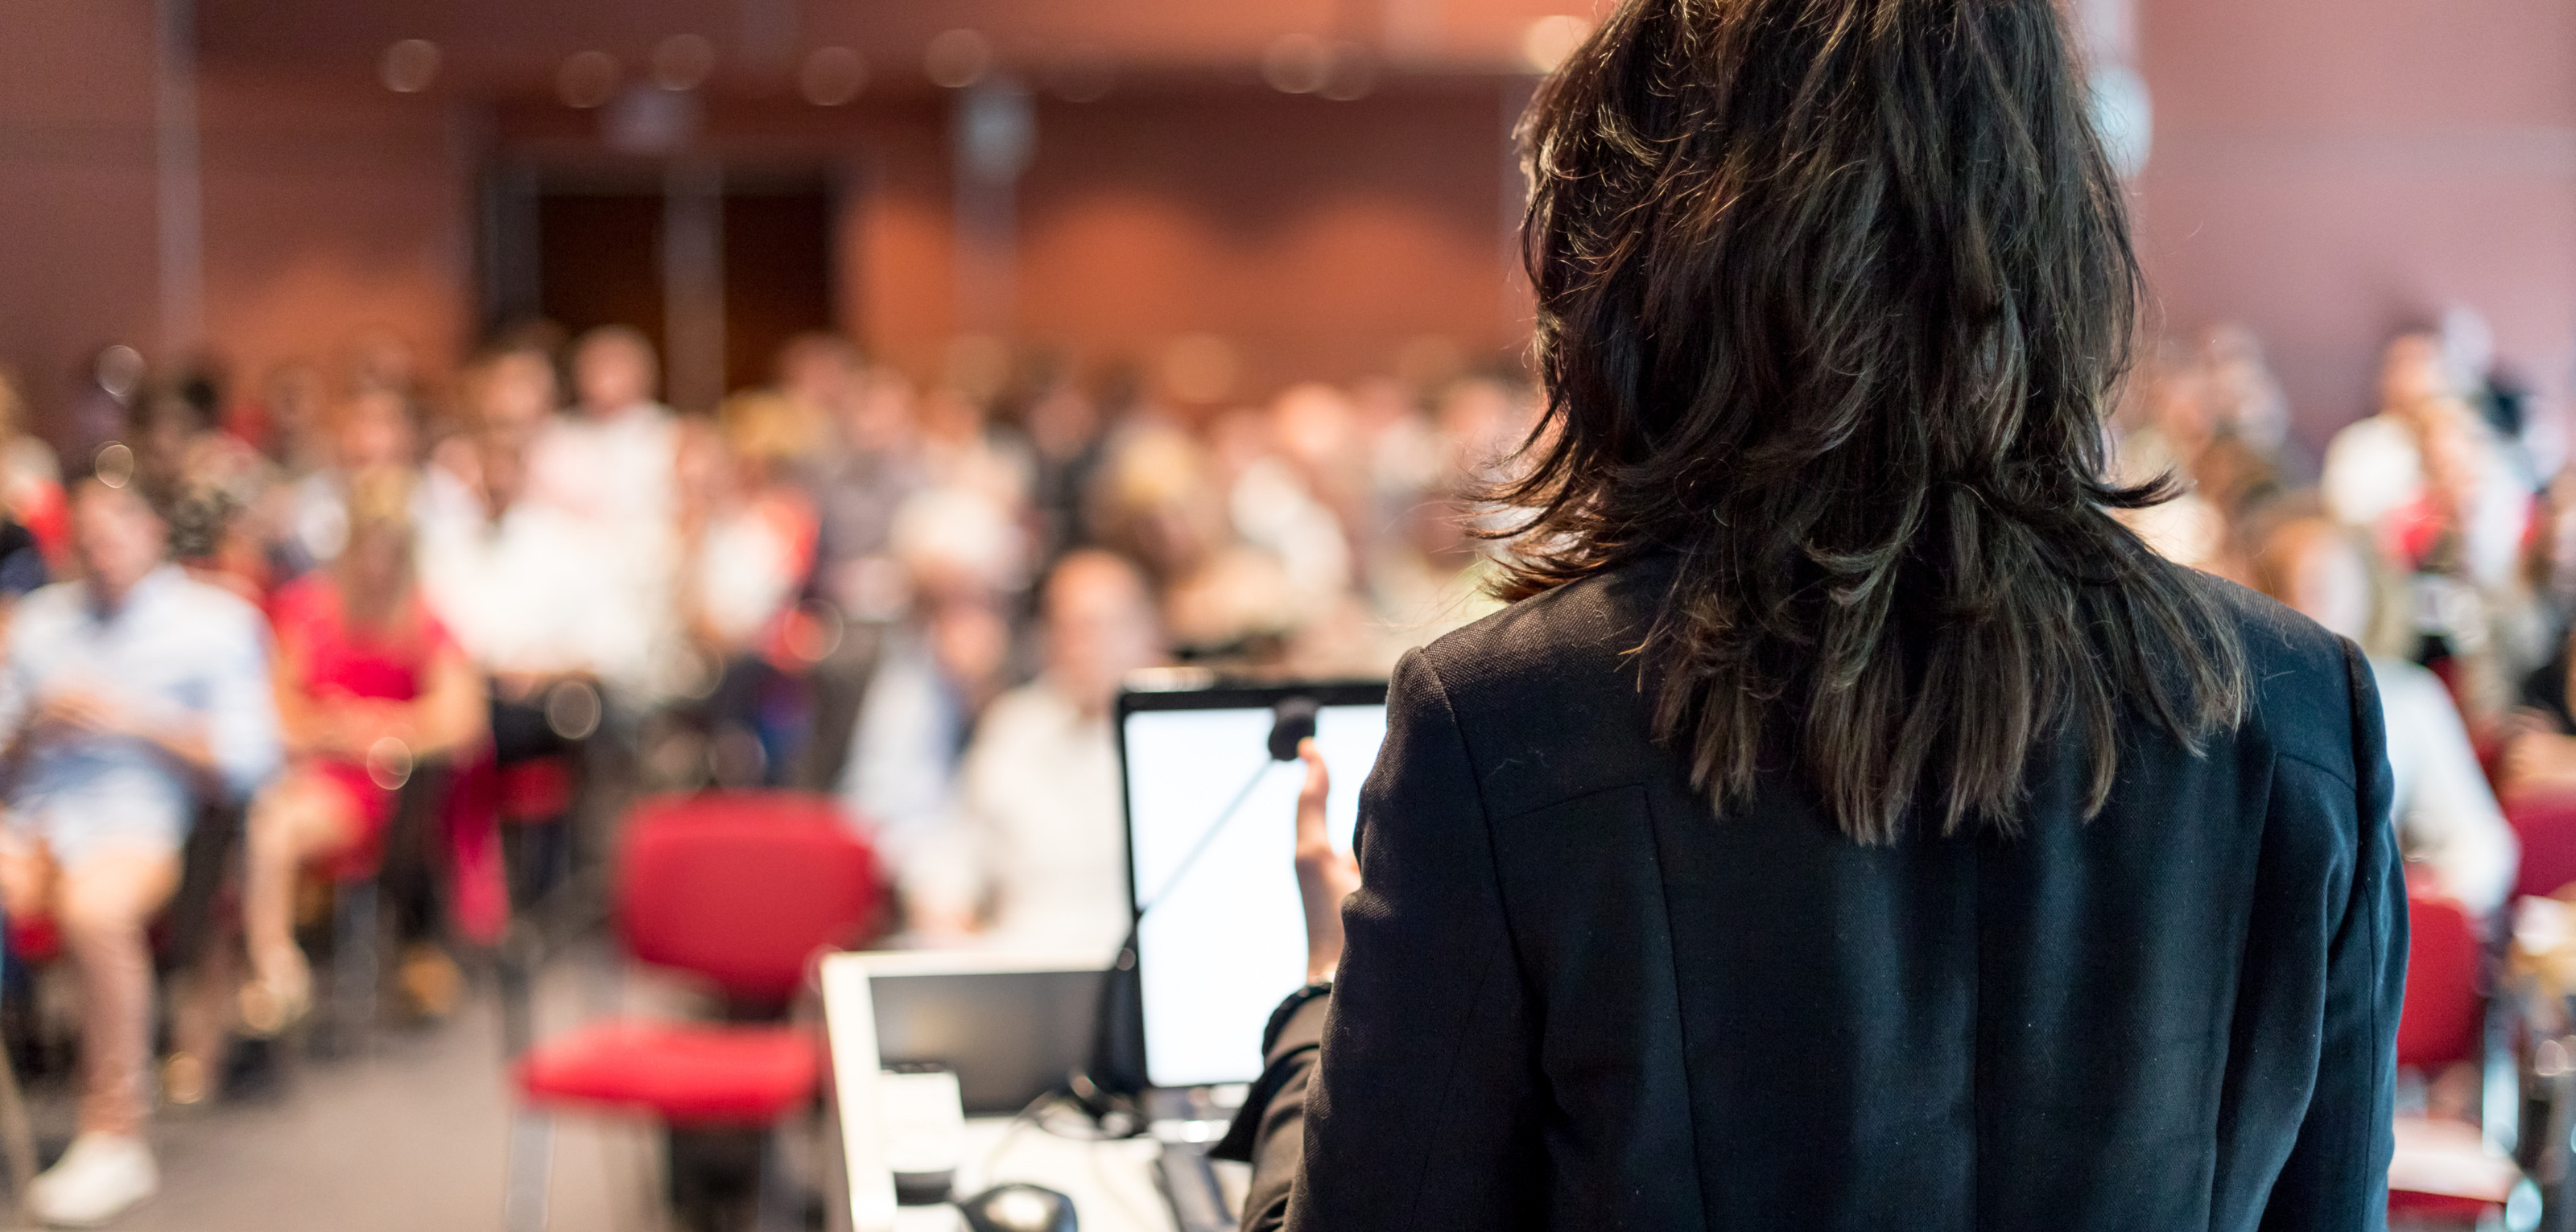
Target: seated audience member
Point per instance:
(128, 698)
(1036, 856)
(1068, 439)
(516, 584)
(818, 374)
(2448, 823)
(285, 422)
(512, 583)
(610, 455)
(2475, 601)
(962, 448)
(2540, 741)
(2374, 467)
(870, 465)
(376, 429)
(369, 684)
(1293, 493)
(963, 555)
(746, 549)
(2236, 465)
(511, 394)
(609, 464)
(1161, 500)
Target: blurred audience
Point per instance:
(833, 584)
(1035, 855)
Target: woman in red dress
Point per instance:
(369, 684)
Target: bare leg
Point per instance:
(201, 1014)
(299, 818)
(107, 899)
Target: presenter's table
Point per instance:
(1111, 1183)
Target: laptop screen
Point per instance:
(1225, 937)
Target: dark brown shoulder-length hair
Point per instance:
(1833, 297)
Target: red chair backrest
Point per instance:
(744, 887)
(2439, 1021)
(2547, 827)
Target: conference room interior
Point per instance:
(848, 498)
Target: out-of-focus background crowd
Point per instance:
(919, 597)
(442, 426)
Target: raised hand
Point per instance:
(1325, 876)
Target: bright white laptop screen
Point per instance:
(1224, 939)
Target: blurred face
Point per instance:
(377, 561)
(2456, 452)
(516, 393)
(881, 418)
(611, 373)
(1063, 422)
(295, 399)
(1100, 626)
(2325, 580)
(376, 433)
(117, 536)
(815, 373)
(1314, 425)
(2413, 372)
(951, 418)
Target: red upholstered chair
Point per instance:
(741, 890)
(2546, 824)
(2444, 1169)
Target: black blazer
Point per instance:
(1574, 997)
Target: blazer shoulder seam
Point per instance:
(2344, 777)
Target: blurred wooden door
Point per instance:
(599, 262)
(582, 252)
(778, 274)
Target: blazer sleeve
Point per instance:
(1425, 1107)
(1270, 1131)
(2336, 1176)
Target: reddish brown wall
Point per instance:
(335, 211)
(1318, 238)
(332, 208)
(2331, 170)
(78, 255)
(2324, 170)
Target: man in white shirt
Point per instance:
(610, 455)
(1036, 856)
(608, 464)
(514, 579)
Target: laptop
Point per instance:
(1011, 1026)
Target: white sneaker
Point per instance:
(101, 1177)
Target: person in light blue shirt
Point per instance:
(127, 699)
